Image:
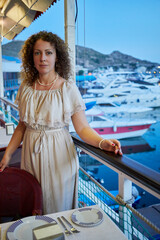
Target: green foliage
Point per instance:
(81, 72)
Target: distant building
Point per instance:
(11, 70)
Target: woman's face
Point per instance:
(44, 57)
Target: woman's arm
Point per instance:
(90, 136)
(13, 144)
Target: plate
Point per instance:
(87, 217)
(22, 229)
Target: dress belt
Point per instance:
(39, 141)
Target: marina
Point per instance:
(122, 98)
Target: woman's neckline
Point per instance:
(51, 90)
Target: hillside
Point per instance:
(90, 58)
(12, 49)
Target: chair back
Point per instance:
(20, 193)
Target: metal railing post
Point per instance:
(125, 192)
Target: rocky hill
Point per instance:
(90, 58)
(12, 48)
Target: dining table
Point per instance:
(103, 229)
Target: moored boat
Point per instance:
(121, 128)
(118, 128)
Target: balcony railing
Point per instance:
(130, 221)
(129, 172)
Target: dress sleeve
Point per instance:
(17, 100)
(72, 100)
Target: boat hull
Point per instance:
(122, 132)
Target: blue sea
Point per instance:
(150, 158)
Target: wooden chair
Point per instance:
(20, 194)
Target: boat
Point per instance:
(124, 89)
(119, 128)
(136, 96)
(116, 108)
(89, 104)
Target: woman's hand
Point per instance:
(90, 136)
(4, 162)
(14, 143)
(111, 145)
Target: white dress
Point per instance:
(48, 151)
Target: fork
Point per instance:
(72, 229)
(67, 232)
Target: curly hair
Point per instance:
(29, 73)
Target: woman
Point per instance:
(47, 102)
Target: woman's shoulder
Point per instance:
(71, 91)
(24, 84)
(24, 87)
(69, 84)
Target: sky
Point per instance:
(131, 27)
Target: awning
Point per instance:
(15, 15)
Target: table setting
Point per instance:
(77, 224)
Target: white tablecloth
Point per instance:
(107, 230)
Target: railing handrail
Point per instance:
(8, 102)
(136, 171)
